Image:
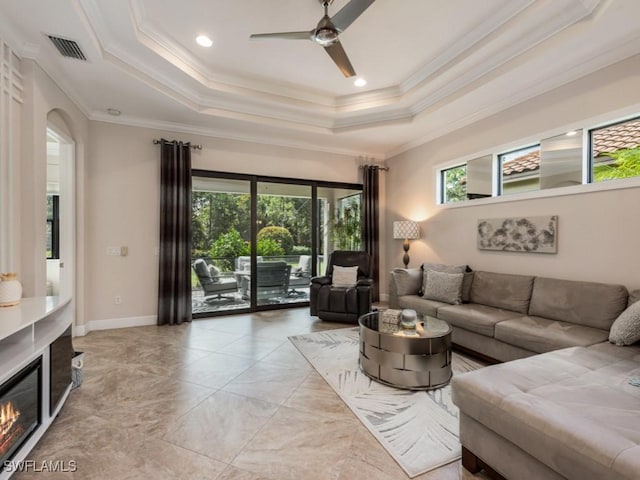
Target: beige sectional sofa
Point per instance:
(567, 410)
(506, 317)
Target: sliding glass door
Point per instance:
(221, 224)
(257, 241)
(283, 234)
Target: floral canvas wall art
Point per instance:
(519, 234)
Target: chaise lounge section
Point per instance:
(567, 414)
(562, 406)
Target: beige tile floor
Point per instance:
(225, 398)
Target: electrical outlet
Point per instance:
(118, 251)
(117, 300)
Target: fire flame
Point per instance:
(8, 416)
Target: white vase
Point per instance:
(10, 290)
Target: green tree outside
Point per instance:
(455, 189)
(279, 235)
(626, 164)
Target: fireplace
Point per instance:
(20, 412)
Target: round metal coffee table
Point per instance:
(403, 358)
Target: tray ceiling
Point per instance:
(431, 66)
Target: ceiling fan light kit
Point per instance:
(327, 32)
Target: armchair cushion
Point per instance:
(345, 276)
(324, 280)
(304, 266)
(214, 272)
(212, 286)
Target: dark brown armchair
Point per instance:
(342, 304)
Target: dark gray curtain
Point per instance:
(371, 224)
(174, 289)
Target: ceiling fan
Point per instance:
(327, 32)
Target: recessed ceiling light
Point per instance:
(360, 82)
(114, 111)
(571, 133)
(204, 41)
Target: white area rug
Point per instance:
(418, 429)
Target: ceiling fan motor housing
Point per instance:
(325, 33)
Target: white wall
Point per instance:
(43, 96)
(122, 184)
(598, 232)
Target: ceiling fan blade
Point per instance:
(282, 35)
(337, 53)
(347, 14)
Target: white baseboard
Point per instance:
(80, 331)
(111, 323)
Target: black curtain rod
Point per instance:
(195, 147)
(384, 169)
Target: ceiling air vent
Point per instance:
(67, 48)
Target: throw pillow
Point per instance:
(466, 285)
(344, 276)
(444, 287)
(439, 267)
(215, 273)
(626, 328)
(408, 280)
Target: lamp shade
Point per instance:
(406, 229)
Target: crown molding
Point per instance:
(624, 49)
(166, 47)
(465, 44)
(473, 56)
(465, 74)
(227, 135)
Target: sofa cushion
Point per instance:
(572, 409)
(501, 290)
(542, 335)
(421, 305)
(591, 304)
(444, 287)
(408, 280)
(439, 267)
(626, 328)
(474, 317)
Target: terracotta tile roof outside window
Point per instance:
(616, 137)
(528, 162)
(608, 139)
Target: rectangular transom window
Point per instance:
(577, 157)
(615, 151)
(520, 170)
(454, 188)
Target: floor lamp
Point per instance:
(406, 230)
